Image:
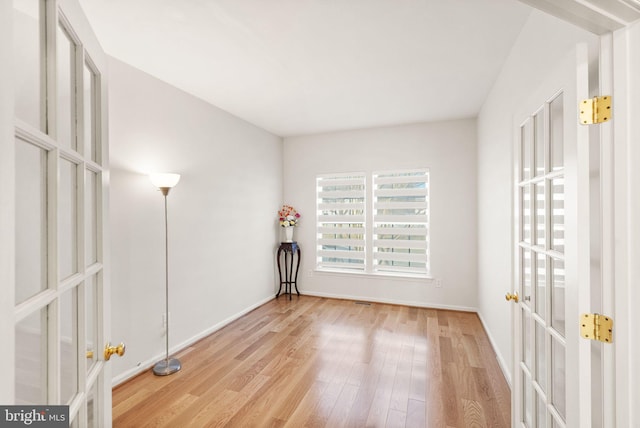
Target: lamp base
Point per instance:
(166, 367)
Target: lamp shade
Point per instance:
(164, 180)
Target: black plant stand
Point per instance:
(291, 250)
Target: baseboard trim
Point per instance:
(503, 366)
(390, 301)
(176, 349)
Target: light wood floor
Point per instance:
(314, 362)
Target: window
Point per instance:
(387, 233)
(400, 221)
(341, 221)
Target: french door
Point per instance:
(59, 159)
(551, 369)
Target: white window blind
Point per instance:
(401, 221)
(341, 205)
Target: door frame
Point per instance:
(7, 195)
(618, 23)
(626, 99)
(626, 247)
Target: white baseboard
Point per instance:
(146, 365)
(503, 366)
(390, 301)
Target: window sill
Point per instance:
(413, 277)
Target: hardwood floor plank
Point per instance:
(452, 400)
(366, 393)
(471, 349)
(396, 419)
(327, 400)
(446, 350)
(493, 414)
(224, 406)
(260, 406)
(127, 403)
(171, 411)
(435, 403)
(306, 405)
(416, 414)
(317, 362)
(473, 414)
(340, 412)
(379, 409)
(257, 344)
(402, 381)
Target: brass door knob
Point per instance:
(513, 297)
(110, 350)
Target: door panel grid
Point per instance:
(540, 248)
(59, 208)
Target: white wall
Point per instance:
(542, 42)
(448, 149)
(222, 215)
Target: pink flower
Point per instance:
(288, 216)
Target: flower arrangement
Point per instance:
(288, 216)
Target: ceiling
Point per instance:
(296, 67)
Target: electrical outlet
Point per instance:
(438, 283)
(164, 320)
(310, 273)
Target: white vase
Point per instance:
(288, 233)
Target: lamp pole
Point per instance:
(167, 366)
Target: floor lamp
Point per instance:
(165, 182)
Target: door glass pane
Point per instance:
(541, 284)
(91, 327)
(31, 359)
(527, 402)
(91, 217)
(556, 131)
(542, 412)
(540, 214)
(557, 295)
(31, 220)
(89, 83)
(526, 339)
(525, 159)
(526, 276)
(526, 213)
(27, 64)
(541, 363)
(92, 407)
(558, 397)
(65, 89)
(68, 345)
(557, 221)
(68, 219)
(597, 384)
(538, 120)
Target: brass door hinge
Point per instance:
(596, 327)
(595, 110)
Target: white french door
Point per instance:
(551, 370)
(59, 285)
